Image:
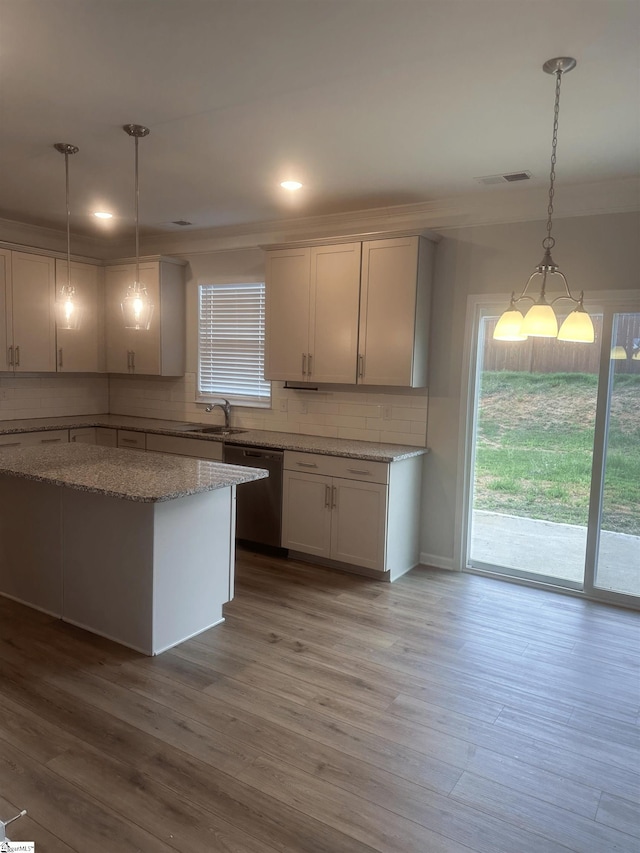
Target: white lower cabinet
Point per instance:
(179, 446)
(354, 512)
(83, 435)
(29, 439)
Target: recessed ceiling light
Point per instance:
(102, 214)
(291, 185)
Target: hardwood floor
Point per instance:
(445, 713)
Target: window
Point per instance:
(231, 343)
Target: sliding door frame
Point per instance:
(607, 303)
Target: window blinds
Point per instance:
(231, 342)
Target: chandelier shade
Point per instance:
(541, 321)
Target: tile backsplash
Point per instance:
(399, 415)
(52, 396)
(393, 415)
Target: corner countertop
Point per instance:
(127, 474)
(369, 450)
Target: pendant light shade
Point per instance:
(577, 327)
(540, 321)
(137, 307)
(67, 308)
(509, 326)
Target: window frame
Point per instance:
(236, 399)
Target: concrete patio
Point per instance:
(550, 548)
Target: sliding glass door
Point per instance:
(554, 450)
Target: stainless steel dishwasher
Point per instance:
(259, 504)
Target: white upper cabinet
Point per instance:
(287, 314)
(394, 311)
(81, 350)
(350, 313)
(312, 297)
(159, 350)
(29, 333)
(333, 317)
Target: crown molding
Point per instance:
(494, 206)
(499, 205)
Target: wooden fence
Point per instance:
(548, 355)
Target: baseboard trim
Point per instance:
(438, 562)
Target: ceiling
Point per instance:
(370, 103)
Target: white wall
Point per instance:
(594, 252)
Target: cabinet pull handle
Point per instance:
(60, 357)
(307, 464)
(133, 361)
(50, 440)
(11, 444)
(73, 438)
(359, 471)
(327, 497)
(309, 364)
(17, 356)
(10, 356)
(361, 366)
(129, 440)
(304, 364)
(334, 497)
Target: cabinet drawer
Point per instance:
(83, 435)
(132, 440)
(337, 466)
(106, 437)
(29, 439)
(199, 448)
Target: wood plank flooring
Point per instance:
(445, 713)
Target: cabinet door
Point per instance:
(388, 311)
(287, 314)
(83, 435)
(306, 513)
(32, 300)
(6, 328)
(359, 521)
(131, 350)
(334, 306)
(79, 349)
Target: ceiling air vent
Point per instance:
(509, 178)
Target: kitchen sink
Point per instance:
(218, 430)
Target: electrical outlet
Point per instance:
(283, 405)
(387, 412)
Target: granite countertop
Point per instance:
(350, 448)
(127, 474)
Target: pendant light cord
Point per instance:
(137, 200)
(66, 175)
(548, 243)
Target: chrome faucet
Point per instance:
(225, 405)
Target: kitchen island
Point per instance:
(138, 548)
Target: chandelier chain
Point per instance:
(549, 242)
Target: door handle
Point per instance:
(60, 357)
(133, 361)
(361, 366)
(327, 497)
(10, 356)
(309, 364)
(17, 351)
(304, 364)
(334, 497)
(307, 464)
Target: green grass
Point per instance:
(535, 442)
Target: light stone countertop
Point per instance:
(127, 474)
(352, 449)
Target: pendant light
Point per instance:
(137, 308)
(68, 311)
(540, 320)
